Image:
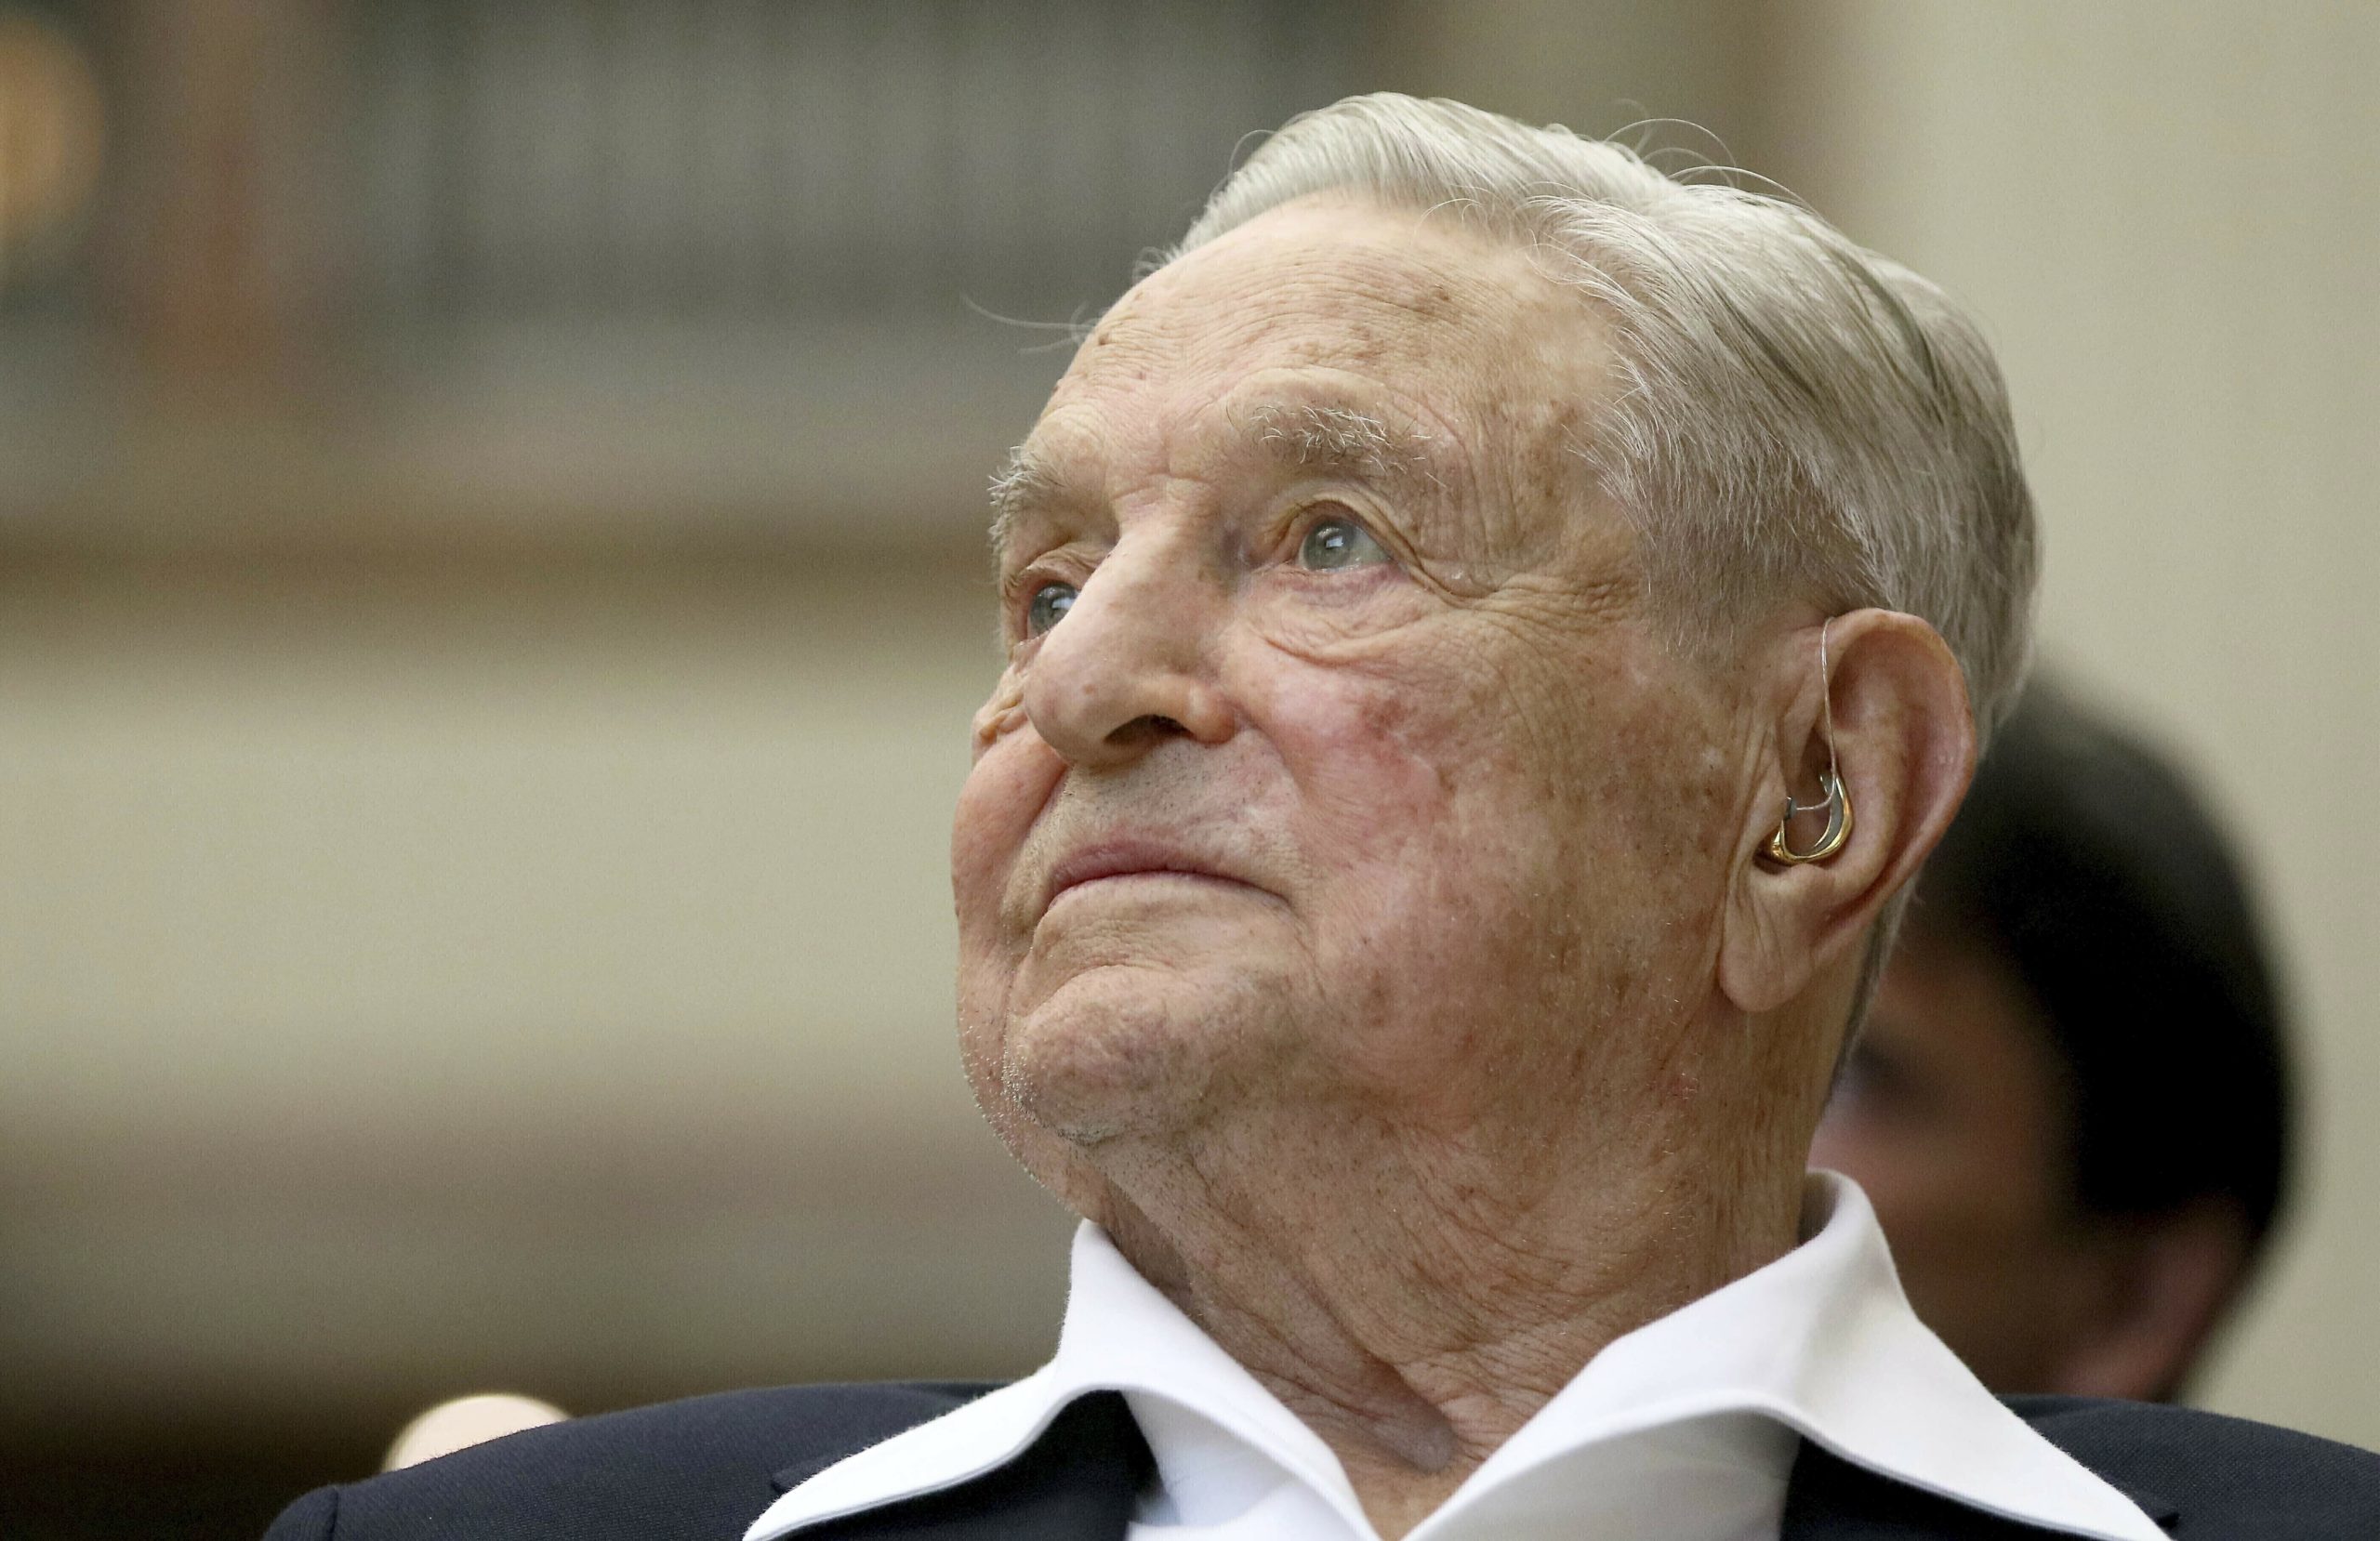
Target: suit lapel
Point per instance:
(1076, 1482)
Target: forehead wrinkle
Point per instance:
(1340, 298)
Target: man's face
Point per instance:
(1951, 1114)
(1335, 770)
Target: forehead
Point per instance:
(1335, 300)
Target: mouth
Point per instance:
(1131, 862)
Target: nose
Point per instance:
(1129, 666)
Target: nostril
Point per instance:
(1148, 725)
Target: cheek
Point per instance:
(1900, 1175)
(1483, 851)
(1946, 1182)
(1424, 851)
(1370, 776)
(1010, 782)
(1440, 779)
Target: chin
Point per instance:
(1123, 1052)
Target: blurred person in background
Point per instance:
(1411, 907)
(2070, 1105)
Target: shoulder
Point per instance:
(704, 1467)
(2221, 1476)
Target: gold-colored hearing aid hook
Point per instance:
(1838, 796)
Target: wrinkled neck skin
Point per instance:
(1414, 1296)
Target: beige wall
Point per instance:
(422, 974)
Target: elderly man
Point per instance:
(1491, 631)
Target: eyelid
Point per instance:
(1300, 515)
(1067, 561)
(1018, 586)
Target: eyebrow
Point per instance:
(1024, 481)
(1302, 436)
(1313, 436)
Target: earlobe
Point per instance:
(1871, 715)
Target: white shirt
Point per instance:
(1684, 1428)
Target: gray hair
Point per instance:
(1795, 416)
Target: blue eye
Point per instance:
(1335, 544)
(1048, 607)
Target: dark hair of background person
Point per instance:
(2086, 865)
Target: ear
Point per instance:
(2160, 1289)
(1904, 747)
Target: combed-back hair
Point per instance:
(1797, 418)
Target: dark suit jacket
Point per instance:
(704, 1469)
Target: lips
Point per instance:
(1129, 858)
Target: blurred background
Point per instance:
(492, 587)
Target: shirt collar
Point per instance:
(1821, 1342)
(1121, 1334)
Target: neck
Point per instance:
(1416, 1322)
